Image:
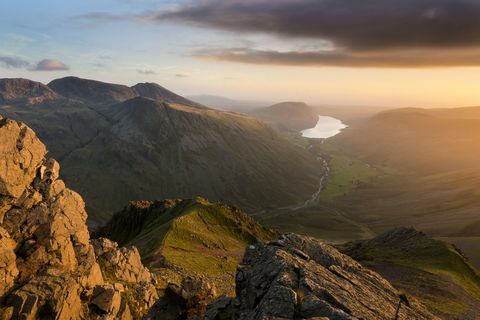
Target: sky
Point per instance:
(397, 53)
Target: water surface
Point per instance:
(326, 127)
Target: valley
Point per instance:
(331, 183)
(240, 160)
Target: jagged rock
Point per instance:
(21, 153)
(8, 265)
(107, 299)
(304, 278)
(186, 301)
(124, 265)
(220, 309)
(48, 267)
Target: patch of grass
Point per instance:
(346, 172)
(447, 306)
(194, 236)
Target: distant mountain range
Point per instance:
(119, 143)
(224, 103)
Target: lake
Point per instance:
(326, 127)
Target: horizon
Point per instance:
(191, 48)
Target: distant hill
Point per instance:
(288, 116)
(24, 91)
(97, 92)
(193, 236)
(423, 140)
(433, 271)
(224, 103)
(157, 92)
(114, 150)
(433, 160)
(91, 91)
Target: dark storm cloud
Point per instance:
(13, 62)
(352, 24)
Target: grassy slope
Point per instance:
(193, 236)
(434, 186)
(324, 219)
(408, 258)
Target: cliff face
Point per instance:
(48, 266)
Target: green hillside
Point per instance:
(193, 236)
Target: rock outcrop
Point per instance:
(48, 266)
(299, 277)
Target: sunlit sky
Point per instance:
(193, 47)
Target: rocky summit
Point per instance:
(298, 277)
(49, 268)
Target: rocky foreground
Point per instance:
(51, 269)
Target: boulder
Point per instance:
(21, 154)
(298, 277)
(107, 299)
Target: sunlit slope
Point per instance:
(191, 236)
(422, 140)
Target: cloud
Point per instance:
(414, 58)
(361, 33)
(13, 62)
(181, 75)
(50, 65)
(146, 72)
(366, 24)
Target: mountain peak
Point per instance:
(91, 91)
(157, 92)
(20, 90)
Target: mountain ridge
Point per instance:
(165, 149)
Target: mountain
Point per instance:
(24, 91)
(142, 148)
(224, 103)
(91, 91)
(422, 140)
(431, 174)
(49, 266)
(435, 272)
(289, 116)
(194, 236)
(157, 92)
(96, 92)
